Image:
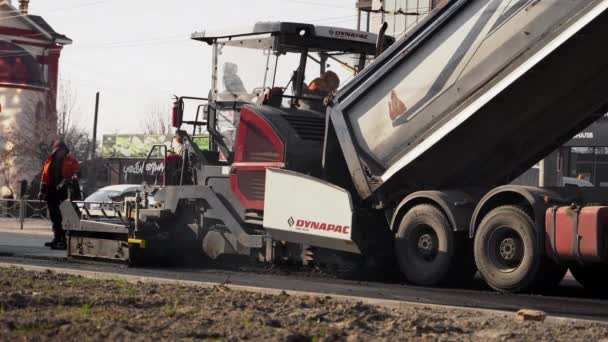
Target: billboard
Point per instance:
(139, 145)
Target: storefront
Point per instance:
(582, 161)
(131, 171)
(586, 155)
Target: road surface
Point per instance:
(569, 300)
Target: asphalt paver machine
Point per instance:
(213, 201)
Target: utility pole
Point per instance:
(91, 174)
(94, 142)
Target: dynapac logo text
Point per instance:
(322, 226)
(349, 34)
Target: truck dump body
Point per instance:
(476, 95)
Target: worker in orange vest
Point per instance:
(61, 170)
(328, 83)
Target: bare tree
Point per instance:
(26, 143)
(15, 164)
(74, 135)
(7, 174)
(157, 122)
(67, 106)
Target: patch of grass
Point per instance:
(85, 309)
(120, 317)
(122, 283)
(30, 328)
(5, 282)
(247, 317)
(98, 323)
(170, 310)
(100, 316)
(80, 281)
(24, 329)
(132, 291)
(320, 335)
(127, 287)
(24, 283)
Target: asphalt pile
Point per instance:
(49, 306)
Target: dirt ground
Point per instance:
(49, 306)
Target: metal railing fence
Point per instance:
(23, 210)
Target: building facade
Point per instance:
(29, 69)
(400, 15)
(586, 155)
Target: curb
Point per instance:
(26, 230)
(386, 303)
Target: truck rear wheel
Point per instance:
(429, 252)
(593, 277)
(506, 249)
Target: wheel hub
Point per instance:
(425, 245)
(508, 249)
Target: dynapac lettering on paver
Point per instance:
(351, 34)
(323, 226)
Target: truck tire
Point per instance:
(593, 278)
(506, 250)
(429, 252)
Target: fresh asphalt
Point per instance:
(569, 300)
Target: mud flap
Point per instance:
(303, 209)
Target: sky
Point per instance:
(137, 53)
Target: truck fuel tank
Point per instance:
(577, 234)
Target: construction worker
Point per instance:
(173, 161)
(233, 83)
(60, 171)
(328, 83)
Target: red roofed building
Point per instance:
(29, 68)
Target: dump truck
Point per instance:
(409, 163)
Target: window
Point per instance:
(18, 66)
(590, 163)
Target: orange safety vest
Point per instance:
(314, 85)
(69, 168)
